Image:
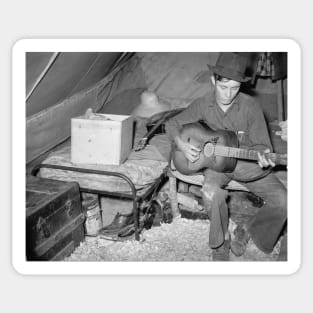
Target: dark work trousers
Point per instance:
(266, 226)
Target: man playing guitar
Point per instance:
(226, 108)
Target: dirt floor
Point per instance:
(185, 239)
(182, 240)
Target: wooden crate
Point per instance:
(102, 139)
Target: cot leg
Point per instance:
(136, 219)
(173, 195)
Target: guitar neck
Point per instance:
(239, 153)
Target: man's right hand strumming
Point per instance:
(190, 152)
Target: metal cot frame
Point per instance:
(133, 195)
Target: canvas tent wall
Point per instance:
(66, 84)
(60, 86)
(73, 82)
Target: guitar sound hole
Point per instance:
(208, 149)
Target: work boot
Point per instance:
(239, 242)
(120, 221)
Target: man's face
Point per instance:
(226, 91)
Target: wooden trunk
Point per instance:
(54, 219)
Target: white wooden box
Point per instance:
(101, 139)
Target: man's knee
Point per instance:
(211, 192)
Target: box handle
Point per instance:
(42, 226)
(69, 208)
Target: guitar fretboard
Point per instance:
(239, 153)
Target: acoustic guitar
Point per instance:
(219, 150)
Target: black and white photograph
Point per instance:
(159, 156)
(156, 156)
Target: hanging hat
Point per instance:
(232, 66)
(150, 105)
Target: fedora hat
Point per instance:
(232, 66)
(150, 104)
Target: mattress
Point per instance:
(141, 170)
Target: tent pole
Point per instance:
(43, 73)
